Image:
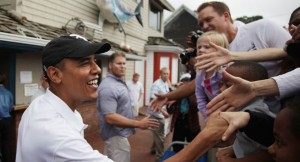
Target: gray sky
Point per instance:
(278, 11)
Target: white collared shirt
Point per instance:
(50, 131)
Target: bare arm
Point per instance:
(223, 56)
(121, 121)
(140, 96)
(183, 91)
(206, 139)
(265, 54)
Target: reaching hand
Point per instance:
(158, 103)
(148, 123)
(213, 60)
(236, 120)
(239, 94)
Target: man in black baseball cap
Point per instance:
(51, 129)
(72, 46)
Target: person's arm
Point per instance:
(206, 139)
(181, 92)
(223, 56)
(141, 92)
(256, 125)
(262, 123)
(121, 121)
(288, 83)
(240, 93)
(201, 97)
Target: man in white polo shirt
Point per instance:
(51, 129)
(136, 91)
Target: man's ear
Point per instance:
(227, 16)
(54, 74)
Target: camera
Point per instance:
(195, 36)
(185, 56)
(293, 49)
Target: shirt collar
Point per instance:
(114, 77)
(64, 110)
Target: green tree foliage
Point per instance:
(246, 19)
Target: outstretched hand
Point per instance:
(149, 123)
(239, 94)
(236, 120)
(158, 102)
(213, 60)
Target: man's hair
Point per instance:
(136, 74)
(2, 78)
(293, 14)
(250, 71)
(163, 69)
(218, 38)
(219, 7)
(294, 104)
(114, 55)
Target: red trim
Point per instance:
(207, 85)
(156, 63)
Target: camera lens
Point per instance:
(196, 36)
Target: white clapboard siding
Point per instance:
(129, 70)
(149, 75)
(57, 12)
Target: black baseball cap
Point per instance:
(72, 46)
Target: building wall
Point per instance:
(57, 12)
(149, 75)
(6, 4)
(23, 61)
(129, 70)
(139, 68)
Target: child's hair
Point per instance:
(215, 37)
(250, 71)
(294, 104)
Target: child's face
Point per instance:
(286, 147)
(203, 46)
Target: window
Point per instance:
(154, 17)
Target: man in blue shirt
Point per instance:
(6, 105)
(117, 121)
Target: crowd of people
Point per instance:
(248, 99)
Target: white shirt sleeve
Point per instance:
(288, 83)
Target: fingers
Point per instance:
(213, 44)
(231, 109)
(212, 68)
(230, 130)
(158, 95)
(216, 102)
(230, 78)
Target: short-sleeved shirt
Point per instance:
(113, 97)
(6, 102)
(158, 87)
(258, 35)
(50, 131)
(135, 89)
